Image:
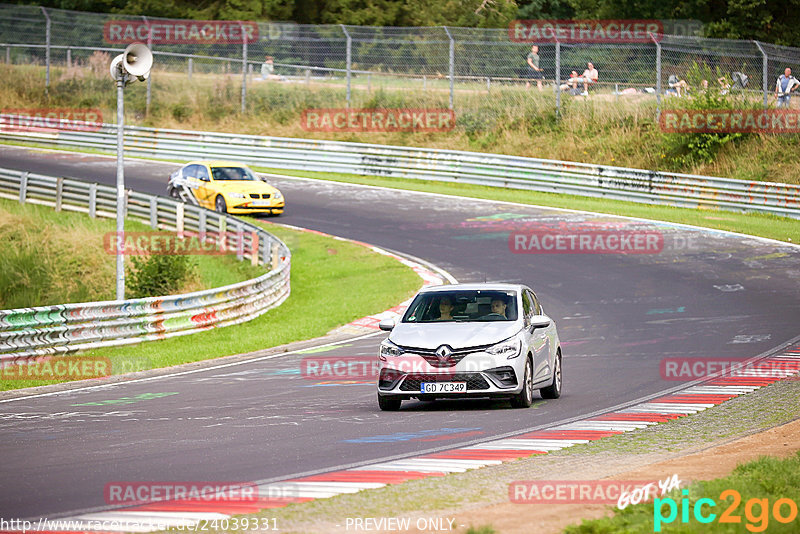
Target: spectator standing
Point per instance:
(783, 89)
(534, 71)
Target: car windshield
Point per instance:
(232, 173)
(463, 306)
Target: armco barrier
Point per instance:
(552, 176)
(30, 332)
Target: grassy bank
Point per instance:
(57, 258)
(764, 481)
(506, 119)
(324, 271)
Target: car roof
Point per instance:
(217, 163)
(474, 287)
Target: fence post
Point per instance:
(150, 46)
(254, 242)
(47, 51)
(349, 52)
(764, 72)
(93, 200)
(452, 64)
(658, 76)
(244, 68)
(190, 69)
(558, 79)
(69, 57)
(23, 187)
(239, 242)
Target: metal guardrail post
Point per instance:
(764, 73)
(93, 200)
(179, 218)
(201, 224)
(47, 50)
(349, 56)
(658, 76)
(452, 64)
(154, 212)
(558, 79)
(244, 68)
(254, 243)
(239, 242)
(23, 187)
(59, 192)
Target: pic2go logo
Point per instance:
(757, 521)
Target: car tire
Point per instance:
(388, 404)
(553, 391)
(219, 205)
(524, 398)
(173, 193)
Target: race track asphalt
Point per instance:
(702, 294)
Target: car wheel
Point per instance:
(173, 192)
(553, 391)
(388, 404)
(220, 205)
(524, 398)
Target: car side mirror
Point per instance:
(386, 324)
(539, 321)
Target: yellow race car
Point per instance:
(226, 187)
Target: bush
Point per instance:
(158, 275)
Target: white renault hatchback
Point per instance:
(470, 340)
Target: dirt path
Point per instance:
(712, 462)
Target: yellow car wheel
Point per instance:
(220, 205)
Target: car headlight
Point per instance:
(510, 348)
(277, 195)
(389, 349)
(236, 195)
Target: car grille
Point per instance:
(256, 195)
(474, 381)
(455, 357)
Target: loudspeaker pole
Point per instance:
(134, 63)
(120, 79)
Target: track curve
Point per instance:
(705, 294)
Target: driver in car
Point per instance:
(499, 307)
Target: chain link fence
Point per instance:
(429, 66)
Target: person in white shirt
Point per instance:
(590, 75)
(783, 89)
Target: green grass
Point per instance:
(765, 480)
(780, 228)
(324, 271)
(507, 119)
(56, 258)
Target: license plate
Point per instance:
(443, 387)
(261, 203)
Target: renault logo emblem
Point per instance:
(443, 353)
